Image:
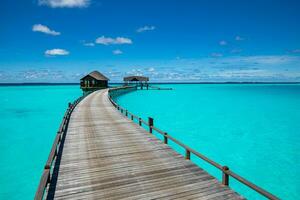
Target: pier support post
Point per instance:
(150, 122)
(225, 177)
(131, 117)
(126, 113)
(140, 121)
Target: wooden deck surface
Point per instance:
(106, 156)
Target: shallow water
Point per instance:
(30, 116)
(254, 129)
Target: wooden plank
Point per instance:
(106, 156)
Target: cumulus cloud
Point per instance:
(44, 29)
(151, 69)
(108, 40)
(65, 3)
(229, 68)
(268, 60)
(223, 43)
(239, 38)
(135, 72)
(56, 52)
(117, 52)
(145, 28)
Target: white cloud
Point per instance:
(239, 38)
(108, 41)
(223, 43)
(145, 28)
(89, 44)
(117, 52)
(246, 73)
(56, 52)
(267, 60)
(135, 72)
(65, 3)
(151, 69)
(44, 29)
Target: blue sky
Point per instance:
(204, 40)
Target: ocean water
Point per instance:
(30, 117)
(252, 128)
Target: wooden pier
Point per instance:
(99, 153)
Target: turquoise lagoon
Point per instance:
(254, 129)
(30, 117)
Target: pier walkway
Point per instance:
(104, 155)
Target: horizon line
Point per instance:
(197, 82)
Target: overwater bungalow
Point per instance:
(93, 81)
(138, 80)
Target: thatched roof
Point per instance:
(136, 78)
(96, 75)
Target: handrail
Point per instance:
(53, 151)
(144, 122)
(251, 185)
(46, 175)
(225, 170)
(188, 148)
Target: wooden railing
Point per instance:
(226, 172)
(47, 172)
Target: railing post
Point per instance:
(69, 104)
(150, 122)
(65, 116)
(131, 117)
(118, 107)
(187, 154)
(126, 113)
(166, 138)
(140, 121)
(225, 177)
(47, 167)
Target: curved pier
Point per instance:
(106, 156)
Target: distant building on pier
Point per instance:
(93, 81)
(141, 81)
